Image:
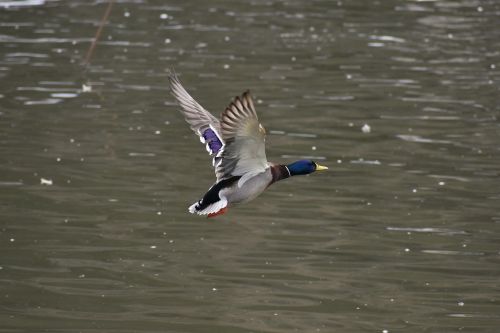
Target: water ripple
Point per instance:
(428, 230)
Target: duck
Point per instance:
(236, 143)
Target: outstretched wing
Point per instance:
(202, 122)
(244, 153)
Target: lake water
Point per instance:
(97, 169)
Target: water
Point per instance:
(401, 235)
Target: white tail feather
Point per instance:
(213, 208)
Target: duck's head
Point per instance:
(304, 167)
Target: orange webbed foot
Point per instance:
(220, 212)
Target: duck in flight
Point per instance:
(237, 144)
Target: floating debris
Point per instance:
(366, 128)
(86, 88)
(44, 181)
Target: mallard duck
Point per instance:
(237, 144)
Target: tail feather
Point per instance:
(212, 208)
(214, 200)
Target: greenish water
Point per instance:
(401, 235)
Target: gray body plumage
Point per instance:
(251, 189)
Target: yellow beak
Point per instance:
(320, 167)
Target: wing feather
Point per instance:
(202, 122)
(244, 153)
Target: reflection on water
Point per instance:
(98, 168)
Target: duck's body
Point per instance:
(237, 144)
(228, 191)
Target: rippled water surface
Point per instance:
(97, 169)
